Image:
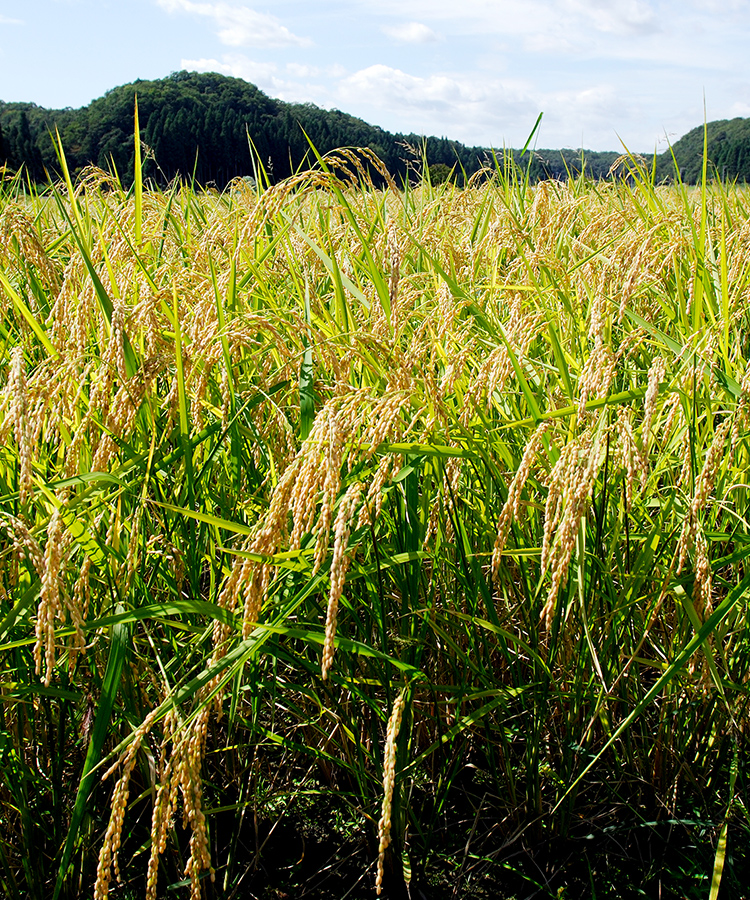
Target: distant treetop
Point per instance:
(202, 127)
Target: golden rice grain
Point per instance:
(108, 855)
(512, 505)
(656, 374)
(571, 499)
(389, 781)
(19, 416)
(339, 566)
(50, 606)
(631, 456)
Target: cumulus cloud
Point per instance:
(625, 17)
(384, 86)
(474, 17)
(237, 67)
(269, 78)
(411, 33)
(465, 104)
(240, 26)
(589, 107)
(576, 19)
(297, 70)
(598, 68)
(478, 109)
(549, 44)
(721, 6)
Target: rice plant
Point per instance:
(421, 505)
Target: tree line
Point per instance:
(212, 128)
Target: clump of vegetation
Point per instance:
(727, 150)
(440, 173)
(196, 127)
(419, 513)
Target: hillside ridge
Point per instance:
(197, 126)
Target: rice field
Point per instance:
(418, 511)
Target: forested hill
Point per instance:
(728, 153)
(198, 125)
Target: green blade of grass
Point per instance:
(118, 652)
(22, 308)
(306, 377)
(137, 178)
(673, 669)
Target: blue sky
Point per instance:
(479, 71)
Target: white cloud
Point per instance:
(6, 20)
(438, 103)
(549, 44)
(383, 86)
(411, 33)
(240, 26)
(599, 69)
(476, 17)
(624, 17)
(267, 77)
(237, 67)
(595, 108)
(720, 6)
(577, 18)
(297, 70)
(487, 111)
